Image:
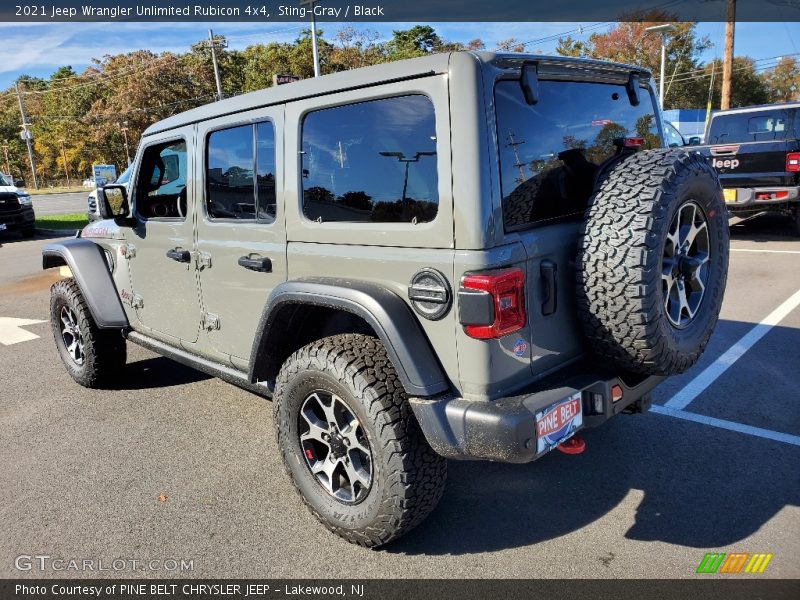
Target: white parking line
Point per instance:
(777, 436)
(767, 251)
(708, 375)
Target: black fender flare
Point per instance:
(387, 313)
(89, 268)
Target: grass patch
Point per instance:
(70, 221)
(57, 190)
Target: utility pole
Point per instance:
(66, 167)
(664, 30)
(314, 48)
(26, 134)
(512, 143)
(124, 130)
(8, 164)
(214, 61)
(727, 62)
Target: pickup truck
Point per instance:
(756, 152)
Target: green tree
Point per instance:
(783, 81)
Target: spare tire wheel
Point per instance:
(652, 262)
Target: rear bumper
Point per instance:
(504, 430)
(18, 219)
(746, 200)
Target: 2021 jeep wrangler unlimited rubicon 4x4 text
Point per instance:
(467, 255)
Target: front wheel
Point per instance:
(350, 442)
(93, 357)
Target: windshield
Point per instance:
(550, 151)
(125, 177)
(5, 180)
(761, 126)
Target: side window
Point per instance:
(230, 191)
(371, 162)
(161, 185)
(265, 170)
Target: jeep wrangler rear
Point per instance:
(468, 256)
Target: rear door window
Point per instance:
(763, 126)
(550, 151)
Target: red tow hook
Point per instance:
(573, 445)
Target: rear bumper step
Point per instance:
(504, 430)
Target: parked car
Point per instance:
(466, 255)
(756, 151)
(16, 207)
(92, 211)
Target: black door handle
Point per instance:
(548, 270)
(263, 265)
(183, 256)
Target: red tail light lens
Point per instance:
(507, 291)
(771, 195)
(793, 162)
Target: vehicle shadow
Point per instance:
(158, 372)
(695, 485)
(764, 228)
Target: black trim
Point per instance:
(383, 310)
(475, 307)
(215, 369)
(89, 267)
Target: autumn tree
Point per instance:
(629, 42)
(783, 81)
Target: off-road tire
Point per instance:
(408, 477)
(621, 304)
(104, 350)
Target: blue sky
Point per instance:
(40, 48)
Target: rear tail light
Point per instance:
(793, 162)
(633, 142)
(616, 393)
(506, 291)
(771, 195)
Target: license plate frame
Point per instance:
(556, 423)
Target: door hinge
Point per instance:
(128, 251)
(203, 260)
(210, 321)
(137, 301)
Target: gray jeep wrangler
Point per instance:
(463, 256)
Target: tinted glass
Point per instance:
(265, 171)
(230, 193)
(749, 127)
(161, 185)
(550, 151)
(371, 162)
(674, 137)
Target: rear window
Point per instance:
(550, 152)
(763, 126)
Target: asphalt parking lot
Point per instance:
(60, 204)
(176, 465)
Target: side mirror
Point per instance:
(694, 141)
(20, 183)
(113, 201)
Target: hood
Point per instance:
(11, 189)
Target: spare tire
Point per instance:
(652, 262)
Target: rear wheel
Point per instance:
(93, 357)
(350, 442)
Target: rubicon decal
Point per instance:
(731, 564)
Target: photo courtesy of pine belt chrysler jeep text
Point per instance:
(461, 256)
